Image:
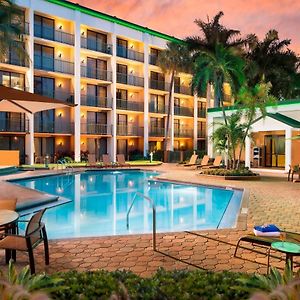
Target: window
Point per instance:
(122, 47)
(122, 94)
(43, 57)
(12, 79)
(44, 27)
(96, 68)
(157, 103)
(122, 73)
(95, 40)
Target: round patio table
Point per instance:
(8, 219)
(290, 250)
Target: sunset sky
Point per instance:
(175, 17)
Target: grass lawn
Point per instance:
(135, 163)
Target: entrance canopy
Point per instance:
(12, 100)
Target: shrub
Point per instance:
(136, 155)
(231, 172)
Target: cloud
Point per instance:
(175, 17)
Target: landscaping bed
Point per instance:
(241, 174)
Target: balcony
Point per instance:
(60, 127)
(95, 73)
(153, 60)
(98, 129)
(183, 111)
(183, 133)
(95, 45)
(156, 131)
(159, 85)
(95, 101)
(57, 94)
(13, 125)
(130, 105)
(201, 133)
(158, 109)
(201, 113)
(182, 89)
(130, 79)
(53, 65)
(130, 54)
(129, 130)
(49, 33)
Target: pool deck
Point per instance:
(271, 200)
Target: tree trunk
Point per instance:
(208, 99)
(167, 134)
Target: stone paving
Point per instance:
(272, 199)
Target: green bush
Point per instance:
(230, 172)
(162, 285)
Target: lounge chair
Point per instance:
(121, 161)
(204, 162)
(216, 164)
(106, 161)
(192, 162)
(35, 233)
(92, 162)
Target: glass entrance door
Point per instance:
(275, 150)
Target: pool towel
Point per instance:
(266, 230)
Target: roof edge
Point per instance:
(114, 19)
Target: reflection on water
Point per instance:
(100, 202)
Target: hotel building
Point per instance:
(108, 67)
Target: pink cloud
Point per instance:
(176, 17)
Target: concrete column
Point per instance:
(248, 152)
(146, 93)
(29, 139)
(113, 144)
(30, 50)
(288, 148)
(195, 123)
(171, 148)
(77, 87)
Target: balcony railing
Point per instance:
(63, 127)
(153, 60)
(182, 89)
(95, 73)
(96, 101)
(201, 113)
(130, 105)
(159, 85)
(129, 130)
(49, 33)
(130, 54)
(201, 133)
(130, 79)
(99, 129)
(156, 131)
(57, 94)
(154, 108)
(15, 61)
(183, 132)
(13, 125)
(52, 64)
(183, 111)
(96, 45)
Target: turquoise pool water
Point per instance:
(100, 201)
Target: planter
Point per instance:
(236, 177)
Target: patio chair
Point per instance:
(35, 233)
(204, 162)
(216, 164)
(121, 161)
(92, 162)
(265, 242)
(192, 162)
(9, 204)
(106, 161)
(292, 171)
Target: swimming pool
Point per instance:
(100, 201)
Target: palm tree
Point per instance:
(271, 60)
(174, 59)
(11, 29)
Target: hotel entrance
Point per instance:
(275, 151)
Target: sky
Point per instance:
(176, 17)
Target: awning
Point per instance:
(13, 100)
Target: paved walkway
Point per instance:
(272, 199)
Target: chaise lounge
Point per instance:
(192, 162)
(121, 161)
(216, 164)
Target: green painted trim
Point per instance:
(284, 119)
(113, 19)
(280, 103)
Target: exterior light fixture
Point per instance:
(60, 55)
(60, 27)
(60, 114)
(60, 85)
(82, 33)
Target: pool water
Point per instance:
(100, 201)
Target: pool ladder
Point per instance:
(153, 216)
(64, 166)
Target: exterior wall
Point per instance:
(75, 23)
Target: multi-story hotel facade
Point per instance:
(108, 68)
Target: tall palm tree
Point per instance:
(174, 59)
(11, 29)
(271, 60)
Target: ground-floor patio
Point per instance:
(271, 200)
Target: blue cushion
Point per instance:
(267, 228)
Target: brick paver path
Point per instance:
(272, 199)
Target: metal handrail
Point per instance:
(154, 216)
